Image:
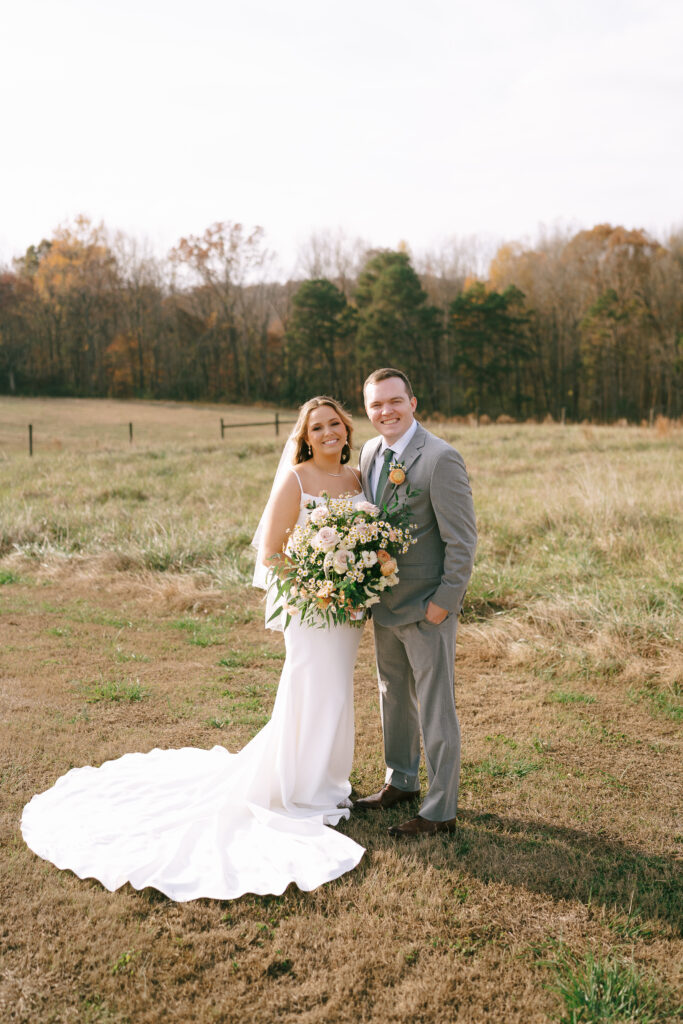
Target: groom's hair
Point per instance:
(384, 374)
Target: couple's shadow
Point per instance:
(564, 863)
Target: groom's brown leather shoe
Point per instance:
(388, 796)
(422, 827)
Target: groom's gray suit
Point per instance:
(415, 659)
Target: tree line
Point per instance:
(587, 325)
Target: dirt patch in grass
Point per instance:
(578, 852)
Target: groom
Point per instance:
(415, 622)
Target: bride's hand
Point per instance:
(279, 563)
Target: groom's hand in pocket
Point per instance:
(435, 614)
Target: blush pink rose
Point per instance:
(367, 506)
(326, 539)
(341, 561)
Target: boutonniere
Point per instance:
(398, 476)
(397, 472)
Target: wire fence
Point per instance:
(40, 439)
(275, 422)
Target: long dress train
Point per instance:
(207, 823)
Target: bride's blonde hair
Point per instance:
(302, 449)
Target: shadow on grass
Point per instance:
(564, 863)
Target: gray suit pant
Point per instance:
(415, 669)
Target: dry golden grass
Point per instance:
(86, 424)
(127, 622)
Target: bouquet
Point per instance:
(340, 560)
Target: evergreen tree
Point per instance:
(319, 342)
(396, 324)
(489, 348)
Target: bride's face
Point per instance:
(325, 432)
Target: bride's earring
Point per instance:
(308, 451)
(345, 454)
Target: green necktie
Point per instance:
(383, 475)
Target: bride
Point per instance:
(207, 823)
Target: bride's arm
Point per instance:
(280, 519)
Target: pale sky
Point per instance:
(413, 120)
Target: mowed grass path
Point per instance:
(127, 622)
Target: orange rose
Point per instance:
(388, 568)
(323, 602)
(397, 476)
(383, 556)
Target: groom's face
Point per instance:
(389, 407)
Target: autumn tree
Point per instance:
(608, 347)
(15, 305)
(589, 322)
(618, 332)
(75, 282)
(554, 308)
(666, 301)
(144, 332)
(604, 321)
(220, 264)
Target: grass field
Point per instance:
(127, 622)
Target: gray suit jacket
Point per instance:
(438, 567)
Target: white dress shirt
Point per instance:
(397, 447)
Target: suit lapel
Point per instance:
(411, 453)
(414, 449)
(367, 459)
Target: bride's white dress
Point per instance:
(207, 823)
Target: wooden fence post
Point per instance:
(562, 416)
(130, 433)
(222, 429)
(277, 424)
(30, 439)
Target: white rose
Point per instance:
(326, 539)
(366, 506)
(319, 514)
(343, 559)
(369, 558)
(371, 601)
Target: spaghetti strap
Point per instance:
(298, 480)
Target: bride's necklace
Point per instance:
(330, 474)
